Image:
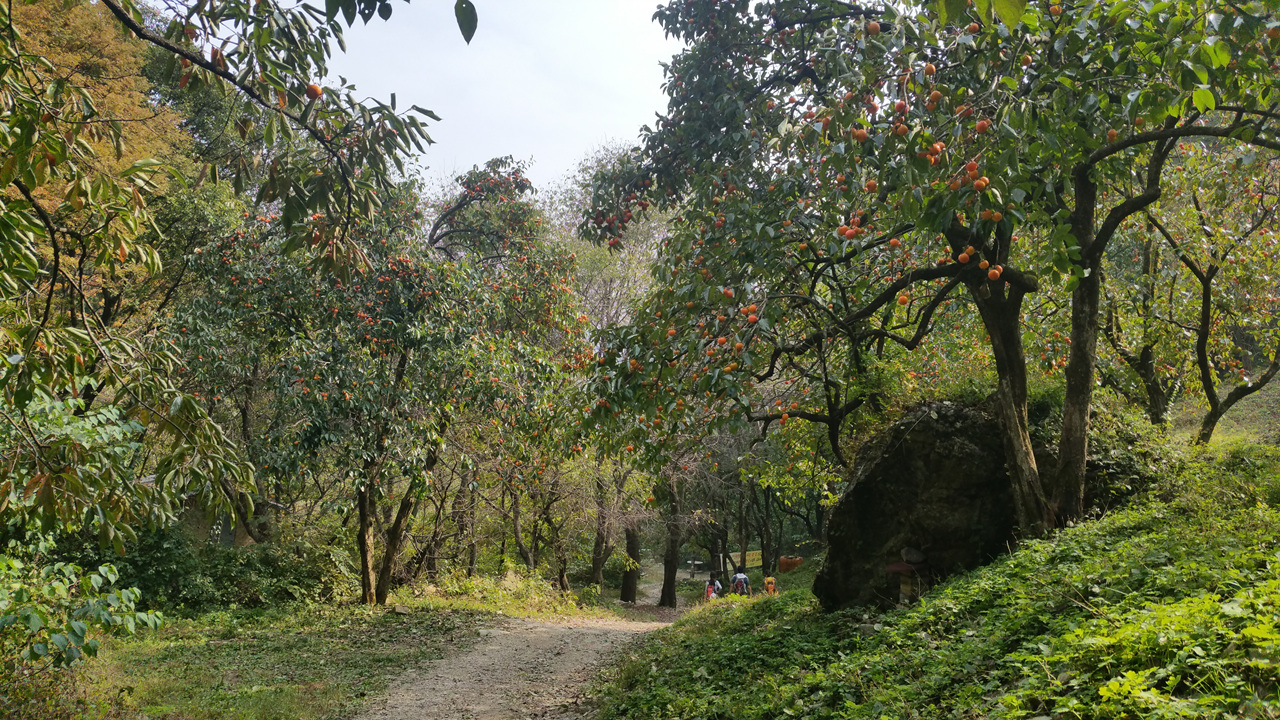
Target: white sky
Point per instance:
(543, 80)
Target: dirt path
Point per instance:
(518, 669)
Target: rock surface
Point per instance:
(933, 485)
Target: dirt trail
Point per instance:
(518, 669)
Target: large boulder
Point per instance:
(928, 497)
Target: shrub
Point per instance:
(55, 694)
(512, 591)
(49, 616)
(178, 573)
(614, 568)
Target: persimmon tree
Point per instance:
(78, 192)
(843, 174)
(83, 383)
(462, 310)
(1225, 239)
(1191, 290)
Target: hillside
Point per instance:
(1166, 609)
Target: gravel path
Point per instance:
(519, 669)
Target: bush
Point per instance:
(50, 614)
(1126, 452)
(614, 568)
(589, 596)
(525, 593)
(54, 694)
(176, 572)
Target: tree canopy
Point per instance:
(841, 172)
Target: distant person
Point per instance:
(714, 589)
(770, 586)
(740, 584)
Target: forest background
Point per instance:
(250, 360)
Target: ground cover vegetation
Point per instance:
(260, 379)
(1163, 609)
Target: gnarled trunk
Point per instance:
(1002, 317)
(366, 506)
(395, 541)
(517, 534)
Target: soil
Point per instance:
(518, 669)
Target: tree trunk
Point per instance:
(394, 542)
(603, 546)
(1002, 317)
(473, 492)
(631, 578)
(562, 572)
(1073, 445)
(764, 529)
(1158, 396)
(366, 506)
(517, 534)
(743, 537)
(1218, 408)
(671, 563)
(502, 508)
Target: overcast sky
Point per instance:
(543, 80)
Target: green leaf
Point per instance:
(1010, 11)
(984, 10)
(1203, 99)
(950, 10)
(467, 20)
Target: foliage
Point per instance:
(841, 174)
(614, 567)
(1164, 609)
(1128, 455)
(51, 616)
(1192, 290)
(350, 387)
(511, 592)
(177, 572)
(88, 145)
(57, 695)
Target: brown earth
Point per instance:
(517, 669)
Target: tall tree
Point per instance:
(463, 308)
(844, 172)
(78, 185)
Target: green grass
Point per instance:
(1170, 608)
(1254, 419)
(292, 662)
(306, 661)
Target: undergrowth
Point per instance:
(1170, 608)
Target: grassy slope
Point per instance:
(1167, 609)
(1256, 418)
